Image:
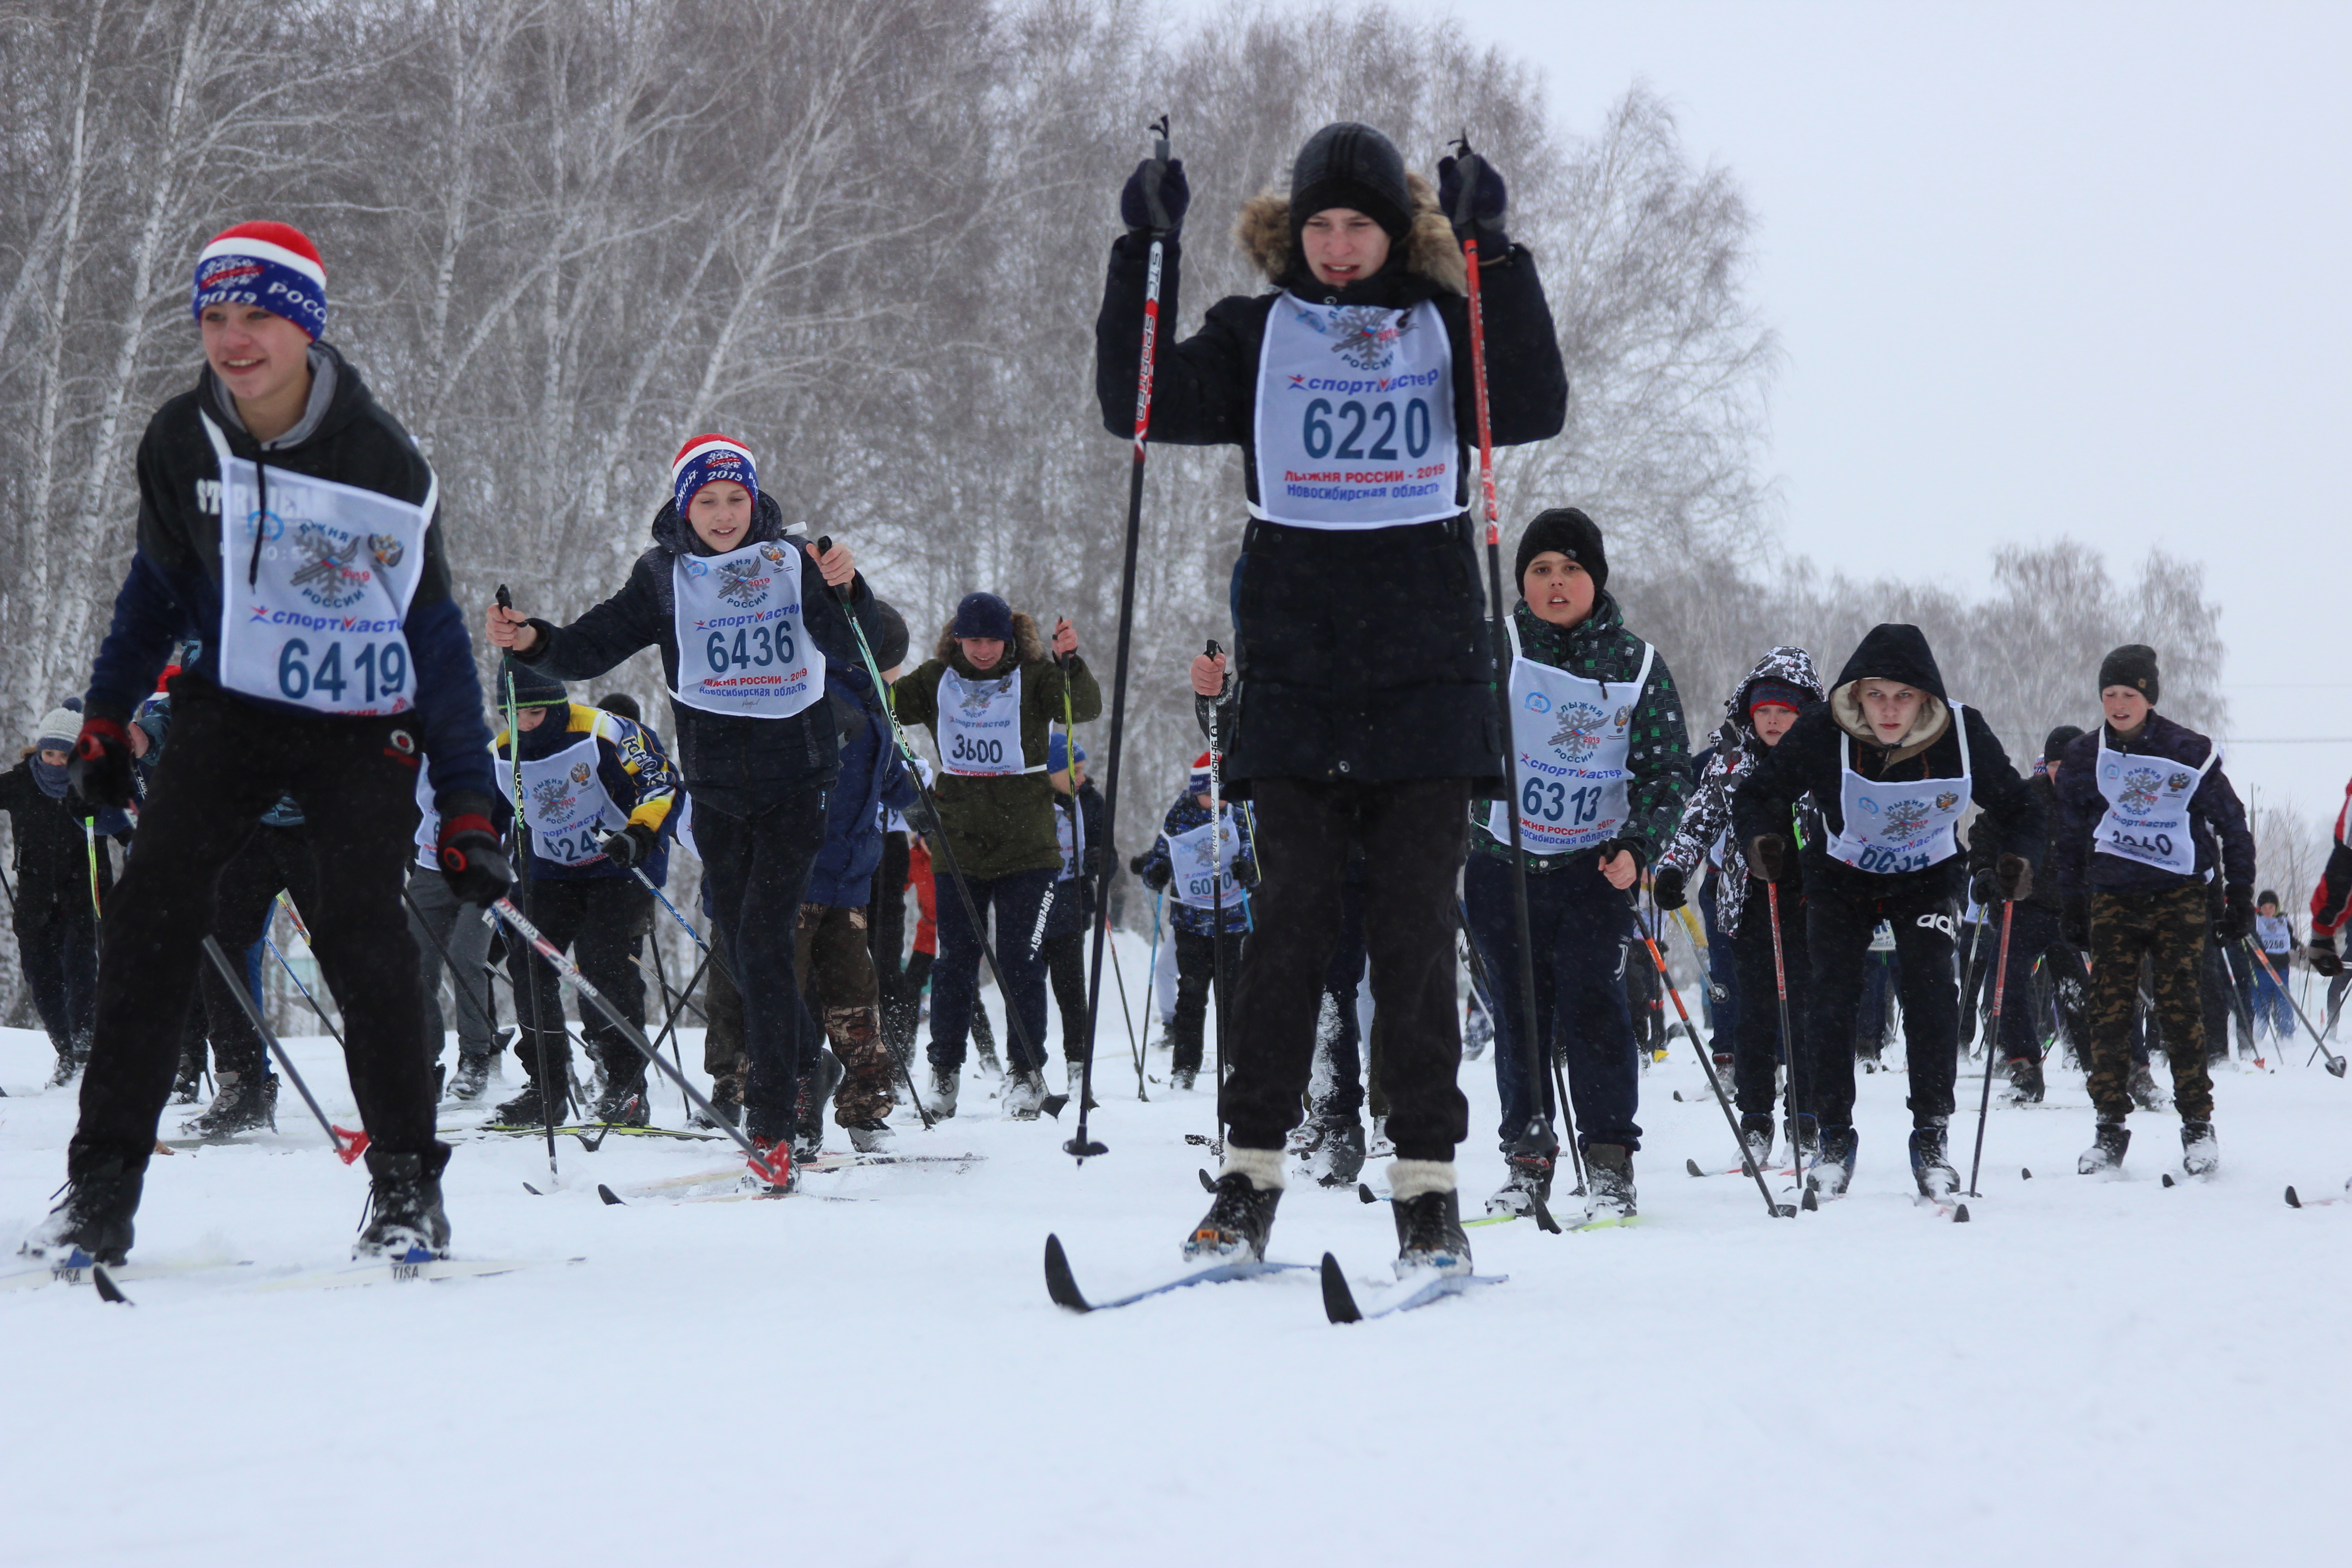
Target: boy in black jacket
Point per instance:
(286, 520)
(1892, 762)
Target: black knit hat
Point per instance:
(2132, 665)
(890, 647)
(1570, 533)
(1350, 166)
(533, 688)
(2054, 745)
(2265, 897)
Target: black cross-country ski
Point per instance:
(2293, 1202)
(1063, 1287)
(1418, 1289)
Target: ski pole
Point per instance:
(1788, 1043)
(773, 1169)
(1992, 1032)
(1776, 1209)
(1134, 1046)
(1217, 898)
(2318, 1045)
(89, 837)
(349, 1145)
(522, 880)
(457, 975)
(1470, 167)
(305, 990)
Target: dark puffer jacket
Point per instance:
(1706, 816)
(1808, 761)
(731, 763)
(2214, 806)
(1363, 653)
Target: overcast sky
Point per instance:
(2041, 270)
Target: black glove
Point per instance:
(1246, 873)
(100, 769)
(1666, 887)
(1982, 888)
(472, 860)
(1155, 208)
(2074, 922)
(920, 817)
(632, 847)
(1470, 192)
(2321, 955)
(2014, 875)
(2237, 916)
(1157, 875)
(1766, 855)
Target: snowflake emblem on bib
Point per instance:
(1579, 735)
(740, 585)
(1205, 853)
(2140, 789)
(1906, 819)
(552, 796)
(327, 576)
(1368, 336)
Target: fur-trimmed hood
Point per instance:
(1028, 647)
(1428, 250)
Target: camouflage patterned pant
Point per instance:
(835, 971)
(2169, 929)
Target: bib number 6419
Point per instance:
(380, 670)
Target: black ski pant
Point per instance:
(2033, 938)
(274, 860)
(723, 1014)
(1841, 913)
(887, 935)
(1411, 832)
(1340, 1028)
(597, 919)
(58, 948)
(1196, 969)
(436, 916)
(1018, 901)
(1066, 969)
(1722, 978)
(355, 780)
(755, 870)
(1584, 945)
(1756, 1042)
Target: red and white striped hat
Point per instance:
(706, 457)
(272, 265)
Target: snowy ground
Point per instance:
(2088, 1373)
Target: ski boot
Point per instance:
(1608, 1180)
(1234, 1229)
(2106, 1151)
(1381, 1147)
(782, 1175)
(1428, 1219)
(1723, 1076)
(93, 1219)
(187, 1080)
(1182, 1077)
(243, 1104)
(1804, 1138)
(529, 1109)
(1076, 1067)
(983, 1037)
(1931, 1167)
(945, 1084)
(68, 1068)
(1024, 1093)
(1338, 1158)
(622, 1101)
(1756, 1139)
(1477, 1034)
(1829, 1172)
(2025, 1085)
(2200, 1155)
(2144, 1092)
(816, 1088)
(1526, 1181)
(405, 1217)
(869, 1137)
(726, 1099)
(473, 1076)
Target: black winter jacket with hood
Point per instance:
(731, 763)
(1363, 655)
(1808, 761)
(53, 851)
(1738, 751)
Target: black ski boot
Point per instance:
(1804, 1138)
(1931, 1167)
(472, 1078)
(2143, 1091)
(622, 1101)
(243, 1104)
(1756, 1138)
(405, 1219)
(68, 1068)
(1338, 1159)
(1429, 1235)
(1609, 1177)
(726, 1099)
(816, 1090)
(1828, 1173)
(527, 1109)
(1526, 1181)
(187, 1081)
(2025, 1085)
(1234, 1229)
(2107, 1149)
(2200, 1154)
(94, 1217)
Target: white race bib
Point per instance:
(742, 642)
(2274, 932)
(979, 728)
(1355, 416)
(564, 803)
(321, 624)
(2147, 808)
(1894, 827)
(1571, 735)
(1204, 878)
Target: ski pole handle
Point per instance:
(1154, 175)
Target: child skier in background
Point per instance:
(1204, 864)
(1081, 829)
(2275, 933)
(63, 879)
(2036, 937)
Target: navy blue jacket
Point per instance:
(2215, 805)
(872, 776)
(1183, 817)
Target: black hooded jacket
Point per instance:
(730, 762)
(1808, 761)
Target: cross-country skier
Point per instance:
(288, 520)
(2275, 933)
(598, 791)
(63, 879)
(989, 693)
(1893, 763)
(1081, 829)
(1782, 687)
(1604, 763)
(2331, 905)
(1206, 865)
(2035, 938)
(2133, 870)
(1363, 707)
(747, 621)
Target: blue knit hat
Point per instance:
(1057, 753)
(706, 457)
(272, 265)
(984, 616)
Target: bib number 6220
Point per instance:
(1353, 419)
